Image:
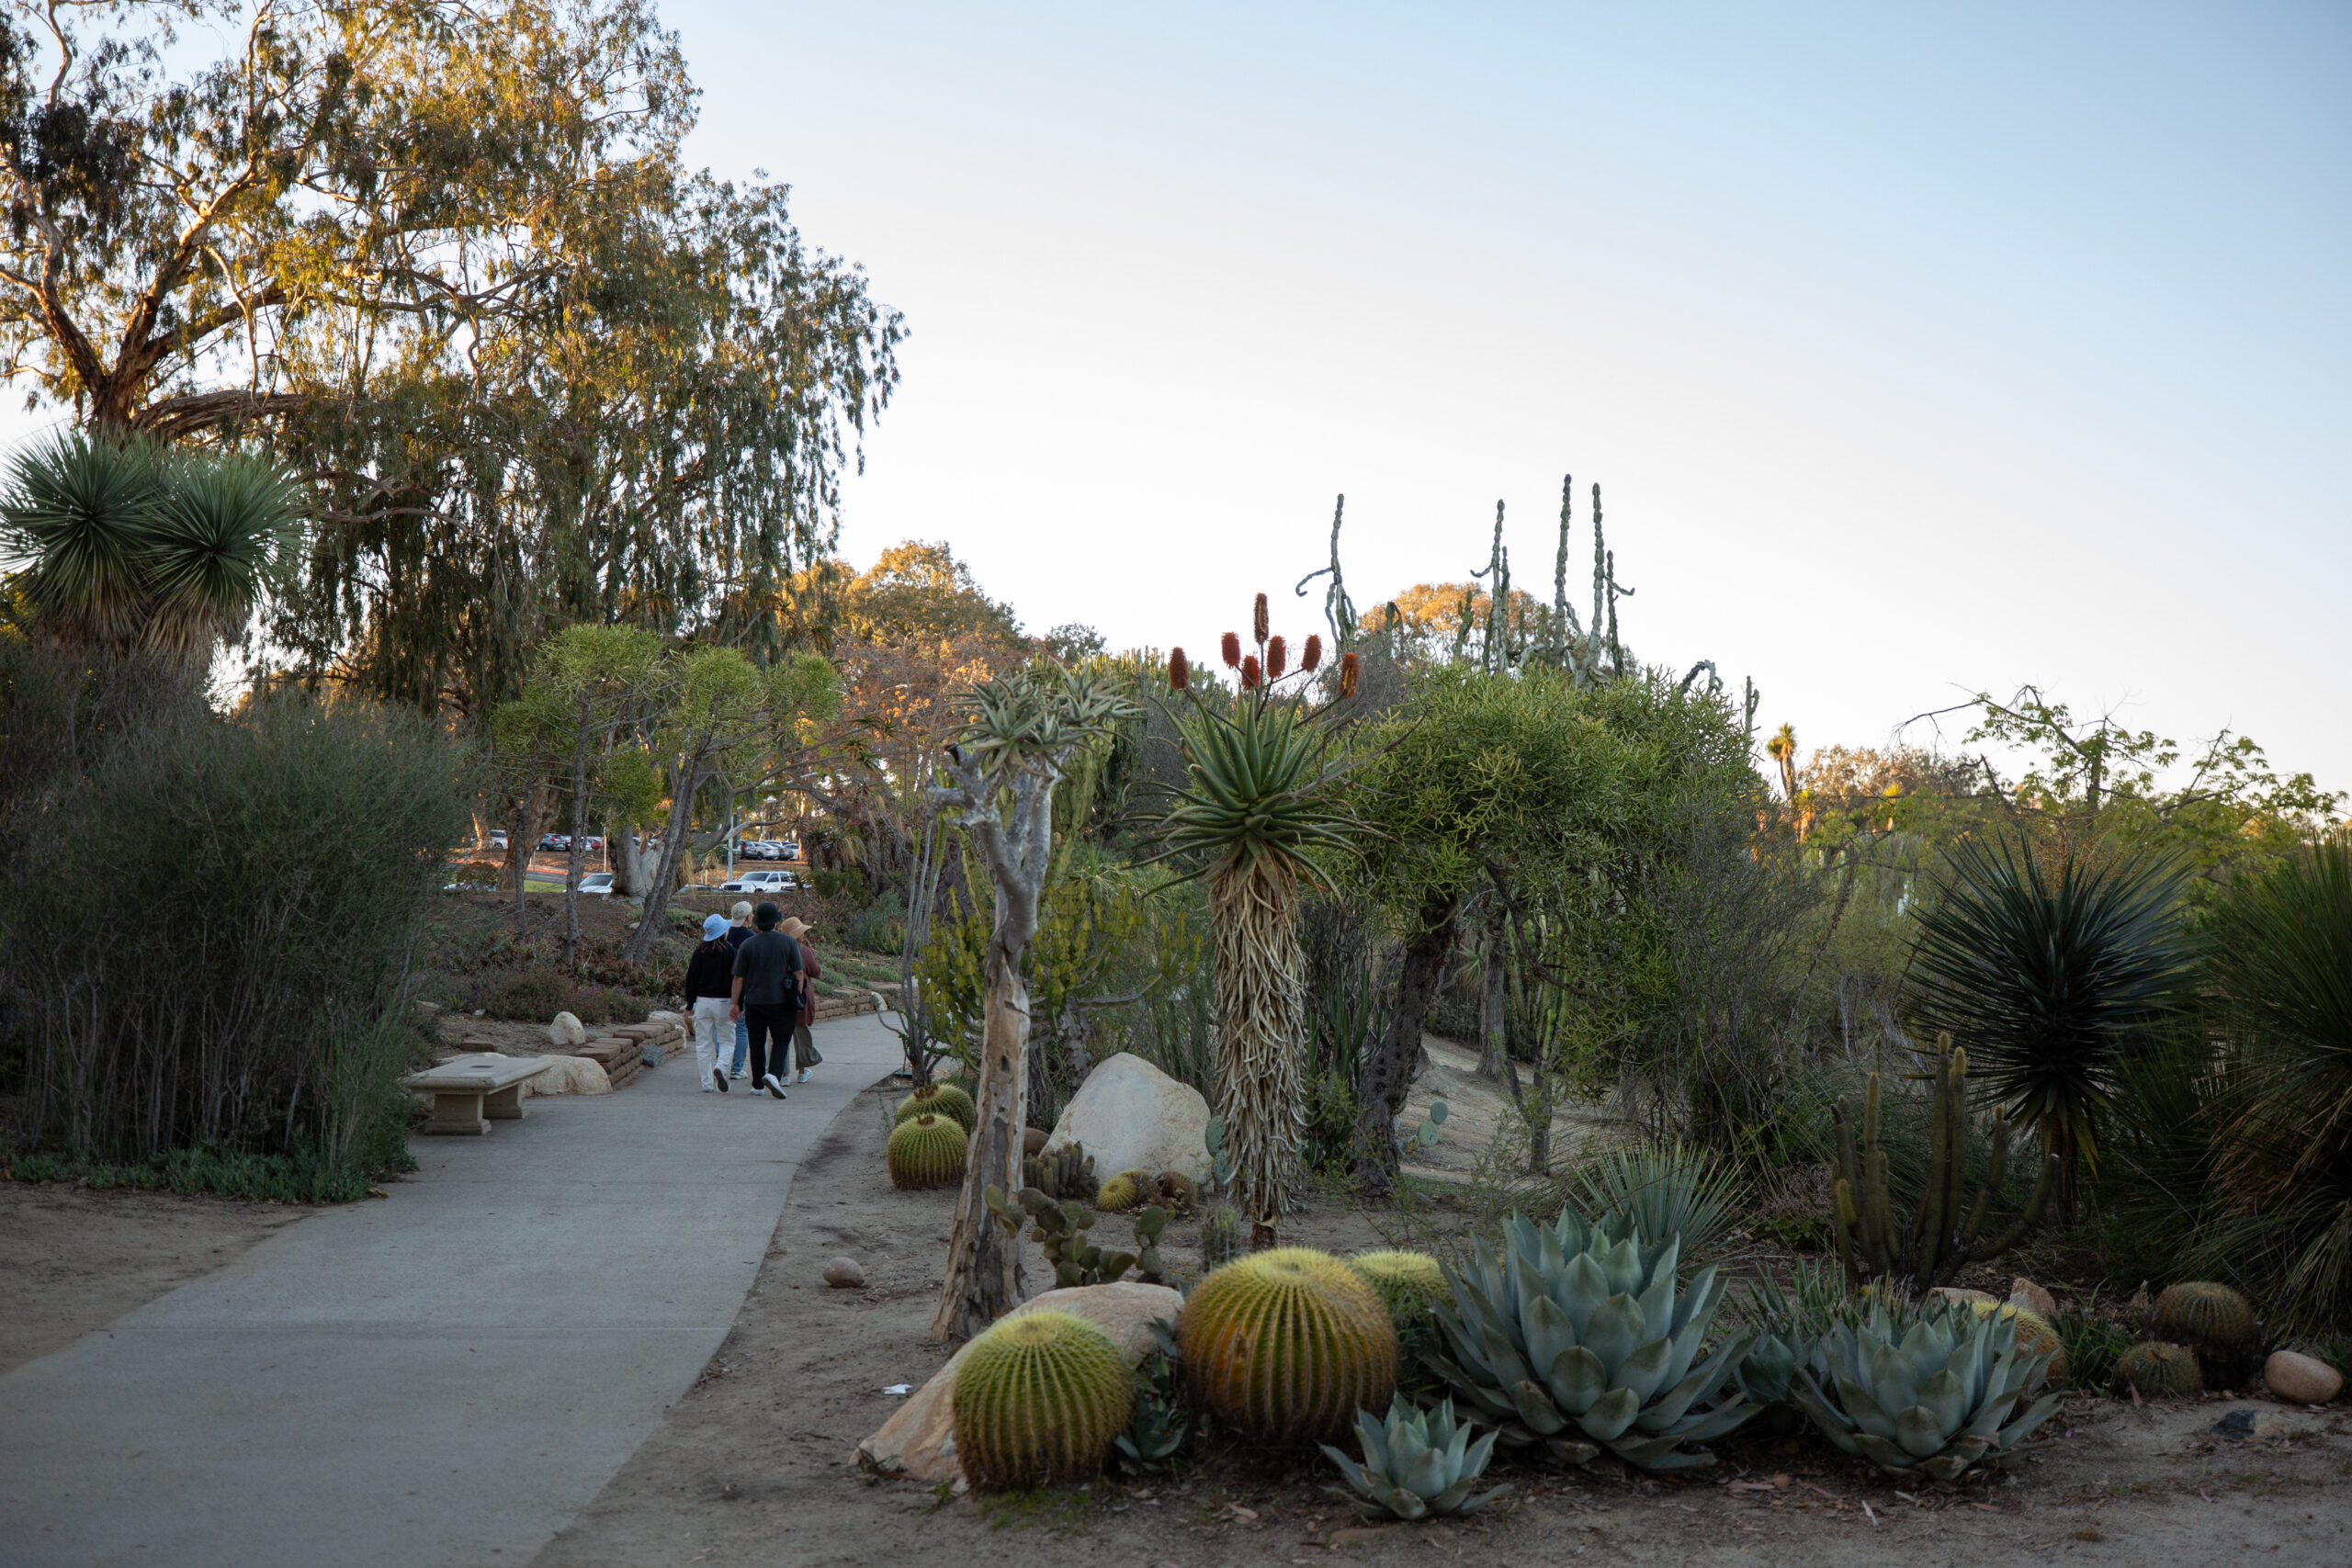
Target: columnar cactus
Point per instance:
(939, 1099)
(926, 1151)
(1040, 1397)
(2160, 1370)
(1287, 1345)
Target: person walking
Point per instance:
(805, 1054)
(710, 986)
(737, 933)
(766, 995)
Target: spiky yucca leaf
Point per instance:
(2046, 983)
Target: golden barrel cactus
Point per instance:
(1038, 1398)
(1287, 1345)
(1117, 1195)
(926, 1151)
(2159, 1370)
(938, 1099)
(1408, 1283)
(2201, 1312)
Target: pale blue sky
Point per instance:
(1917, 348)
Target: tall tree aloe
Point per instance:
(1259, 802)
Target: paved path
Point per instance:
(440, 1381)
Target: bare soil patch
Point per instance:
(755, 1464)
(72, 1260)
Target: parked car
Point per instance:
(555, 841)
(769, 882)
(498, 837)
(597, 884)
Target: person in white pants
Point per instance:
(711, 976)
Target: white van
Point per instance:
(769, 882)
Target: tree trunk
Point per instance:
(1261, 1018)
(1493, 1005)
(984, 1271)
(579, 833)
(1389, 1070)
(682, 784)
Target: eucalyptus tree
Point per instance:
(998, 778)
(447, 258)
(602, 674)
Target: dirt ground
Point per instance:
(71, 1260)
(755, 1465)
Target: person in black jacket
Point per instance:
(767, 997)
(710, 981)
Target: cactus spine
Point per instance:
(926, 1151)
(1286, 1344)
(938, 1099)
(1946, 1232)
(2160, 1370)
(1040, 1397)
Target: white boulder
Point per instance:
(571, 1075)
(2300, 1379)
(566, 1031)
(1131, 1116)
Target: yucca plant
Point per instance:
(1417, 1465)
(128, 543)
(2050, 982)
(1572, 1340)
(1257, 809)
(1937, 1397)
(2282, 972)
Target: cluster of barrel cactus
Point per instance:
(2215, 1324)
(939, 1099)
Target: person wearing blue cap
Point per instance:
(711, 979)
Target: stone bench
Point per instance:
(471, 1091)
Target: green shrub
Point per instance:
(207, 929)
(529, 995)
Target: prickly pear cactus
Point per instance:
(939, 1099)
(2160, 1370)
(1287, 1345)
(926, 1151)
(1040, 1397)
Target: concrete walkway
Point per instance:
(443, 1378)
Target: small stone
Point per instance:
(843, 1274)
(567, 1030)
(2024, 1292)
(2275, 1426)
(2300, 1379)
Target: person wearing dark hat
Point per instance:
(766, 995)
(805, 1054)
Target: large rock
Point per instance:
(566, 1029)
(571, 1075)
(2024, 1292)
(2300, 1379)
(919, 1440)
(1132, 1116)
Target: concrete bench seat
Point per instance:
(475, 1089)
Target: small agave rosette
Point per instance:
(1417, 1465)
(1580, 1344)
(1951, 1391)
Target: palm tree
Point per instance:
(1782, 749)
(2051, 985)
(1257, 805)
(129, 544)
